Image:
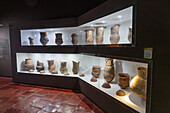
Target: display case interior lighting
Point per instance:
(119, 16)
(103, 22)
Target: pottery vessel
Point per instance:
(120, 93)
(31, 40)
(89, 36)
(51, 66)
(96, 71)
(123, 80)
(130, 35)
(114, 37)
(40, 66)
(54, 72)
(63, 68)
(82, 75)
(138, 84)
(58, 38)
(74, 39)
(109, 70)
(99, 34)
(93, 79)
(106, 85)
(28, 64)
(44, 38)
(75, 68)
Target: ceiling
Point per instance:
(28, 10)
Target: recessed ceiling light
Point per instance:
(92, 25)
(51, 29)
(119, 16)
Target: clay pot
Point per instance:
(114, 37)
(106, 85)
(75, 68)
(28, 64)
(120, 93)
(82, 75)
(40, 66)
(123, 80)
(51, 66)
(54, 72)
(109, 70)
(138, 84)
(63, 68)
(99, 35)
(44, 38)
(96, 71)
(31, 40)
(58, 38)
(130, 35)
(93, 79)
(74, 39)
(89, 36)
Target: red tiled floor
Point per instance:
(19, 98)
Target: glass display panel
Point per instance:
(113, 29)
(106, 74)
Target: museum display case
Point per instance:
(116, 28)
(99, 68)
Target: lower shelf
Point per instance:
(70, 81)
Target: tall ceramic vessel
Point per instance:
(114, 37)
(109, 70)
(28, 64)
(89, 36)
(58, 38)
(99, 34)
(40, 66)
(130, 35)
(51, 66)
(31, 40)
(63, 68)
(75, 68)
(44, 38)
(74, 39)
(138, 84)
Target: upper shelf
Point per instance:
(114, 29)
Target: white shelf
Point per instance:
(110, 91)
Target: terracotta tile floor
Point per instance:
(18, 98)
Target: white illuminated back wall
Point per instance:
(86, 62)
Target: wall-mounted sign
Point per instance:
(148, 53)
